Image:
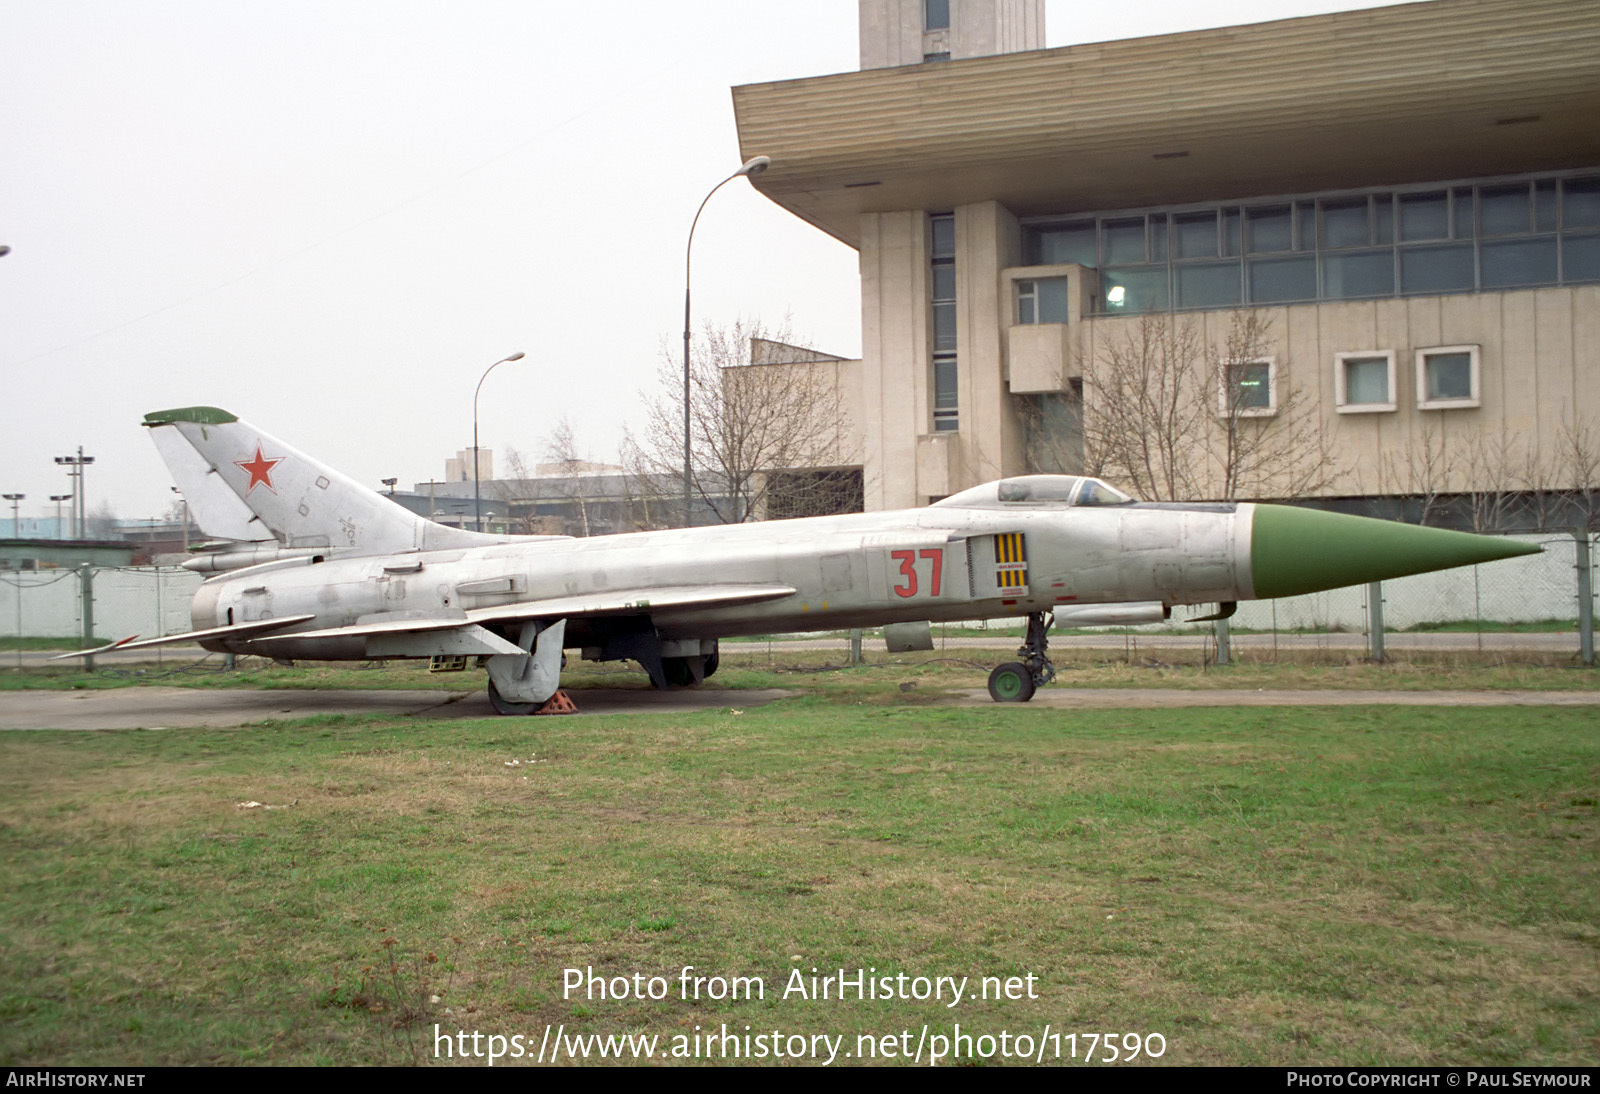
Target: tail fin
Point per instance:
(243, 484)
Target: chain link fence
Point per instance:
(1531, 608)
(1536, 605)
(90, 604)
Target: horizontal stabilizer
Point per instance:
(408, 634)
(446, 632)
(383, 623)
(237, 630)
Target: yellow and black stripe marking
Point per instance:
(1011, 560)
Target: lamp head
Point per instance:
(754, 166)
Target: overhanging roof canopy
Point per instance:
(1386, 96)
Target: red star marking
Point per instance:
(260, 470)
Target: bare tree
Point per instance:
(520, 488)
(1174, 417)
(1420, 470)
(767, 439)
(1496, 474)
(1577, 466)
(1052, 433)
(1499, 481)
(1279, 450)
(1145, 416)
(562, 450)
(101, 521)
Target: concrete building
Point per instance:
(458, 468)
(24, 555)
(905, 32)
(1403, 203)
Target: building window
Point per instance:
(1478, 236)
(1133, 291)
(930, 58)
(1248, 389)
(1447, 377)
(1364, 382)
(942, 288)
(1043, 300)
(935, 14)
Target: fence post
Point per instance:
(1375, 620)
(1224, 646)
(1580, 540)
(855, 645)
(161, 631)
(86, 593)
(18, 584)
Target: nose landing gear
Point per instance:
(1016, 681)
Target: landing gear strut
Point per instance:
(1016, 681)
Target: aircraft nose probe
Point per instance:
(1295, 550)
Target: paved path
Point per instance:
(1545, 641)
(1085, 698)
(1549, 641)
(173, 708)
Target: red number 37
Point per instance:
(908, 570)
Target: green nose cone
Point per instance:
(1294, 551)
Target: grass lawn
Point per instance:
(1260, 886)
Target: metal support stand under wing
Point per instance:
(522, 683)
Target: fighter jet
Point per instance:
(322, 568)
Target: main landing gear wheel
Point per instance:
(503, 706)
(559, 703)
(677, 672)
(1011, 683)
(686, 672)
(1016, 681)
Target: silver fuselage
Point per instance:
(856, 570)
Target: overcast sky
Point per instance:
(330, 217)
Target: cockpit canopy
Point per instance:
(1051, 491)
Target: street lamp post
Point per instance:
(58, 499)
(75, 465)
(16, 527)
(751, 167)
(477, 494)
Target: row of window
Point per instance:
(942, 290)
(1364, 382)
(1467, 237)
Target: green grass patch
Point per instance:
(1260, 886)
(1474, 626)
(11, 642)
